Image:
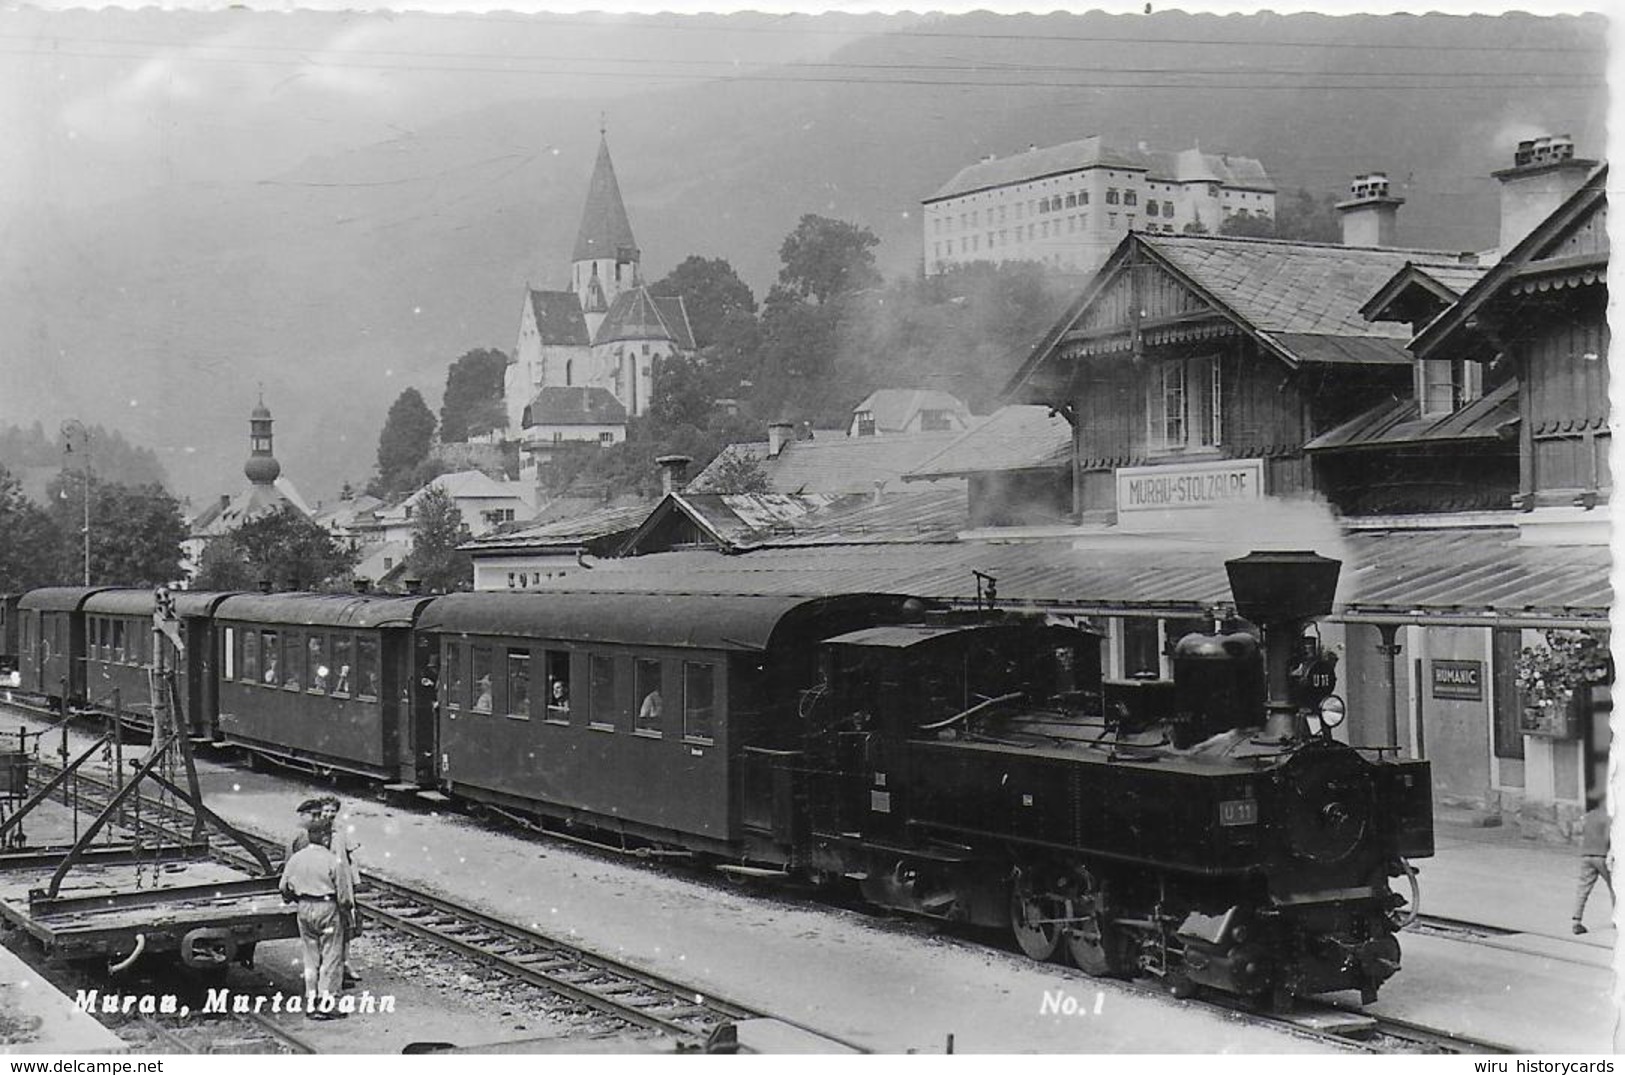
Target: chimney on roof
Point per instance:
(1543, 175)
(673, 472)
(1370, 214)
(778, 435)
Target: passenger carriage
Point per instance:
(325, 681)
(118, 652)
(8, 632)
(636, 714)
(51, 641)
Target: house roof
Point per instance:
(558, 318)
(1529, 264)
(256, 500)
(921, 514)
(605, 230)
(732, 520)
(573, 532)
(1399, 422)
(1433, 283)
(1016, 437)
(894, 408)
(1300, 301)
(637, 315)
(835, 464)
(562, 406)
(1191, 165)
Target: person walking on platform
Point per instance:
(341, 847)
(316, 880)
(1596, 860)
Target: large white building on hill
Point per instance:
(1068, 205)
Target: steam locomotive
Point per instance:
(971, 766)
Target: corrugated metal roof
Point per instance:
(565, 533)
(1017, 437)
(1438, 572)
(920, 515)
(1399, 422)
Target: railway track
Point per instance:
(621, 994)
(645, 1001)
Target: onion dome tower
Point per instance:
(262, 467)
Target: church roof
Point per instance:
(558, 318)
(558, 405)
(605, 230)
(638, 315)
(251, 503)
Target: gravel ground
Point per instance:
(890, 985)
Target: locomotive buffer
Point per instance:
(123, 887)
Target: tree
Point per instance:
(1245, 225)
(281, 547)
(437, 530)
(1308, 218)
(738, 472)
(473, 400)
(404, 442)
(711, 291)
(824, 258)
(135, 531)
(683, 394)
(29, 540)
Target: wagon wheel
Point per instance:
(1100, 949)
(1038, 938)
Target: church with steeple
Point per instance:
(268, 489)
(596, 348)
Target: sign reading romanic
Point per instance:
(1189, 485)
(1461, 680)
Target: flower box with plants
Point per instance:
(1550, 677)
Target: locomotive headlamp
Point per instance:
(1332, 712)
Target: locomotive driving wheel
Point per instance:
(1100, 948)
(1033, 922)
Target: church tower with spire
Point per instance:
(605, 262)
(587, 357)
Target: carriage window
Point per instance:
(251, 656)
(270, 671)
(292, 661)
(230, 649)
(320, 672)
(481, 672)
(602, 700)
(456, 695)
(558, 686)
(343, 663)
(518, 701)
(118, 640)
(646, 683)
(366, 666)
(699, 701)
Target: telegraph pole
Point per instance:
(70, 429)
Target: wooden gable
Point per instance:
(1138, 297)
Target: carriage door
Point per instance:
(197, 665)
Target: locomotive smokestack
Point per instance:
(1281, 592)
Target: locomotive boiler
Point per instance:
(1208, 831)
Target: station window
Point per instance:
(452, 677)
(558, 686)
(292, 655)
(343, 663)
(601, 700)
(518, 698)
(699, 701)
(366, 666)
(480, 674)
(321, 673)
(268, 649)
(646, 682)
(251, 656)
